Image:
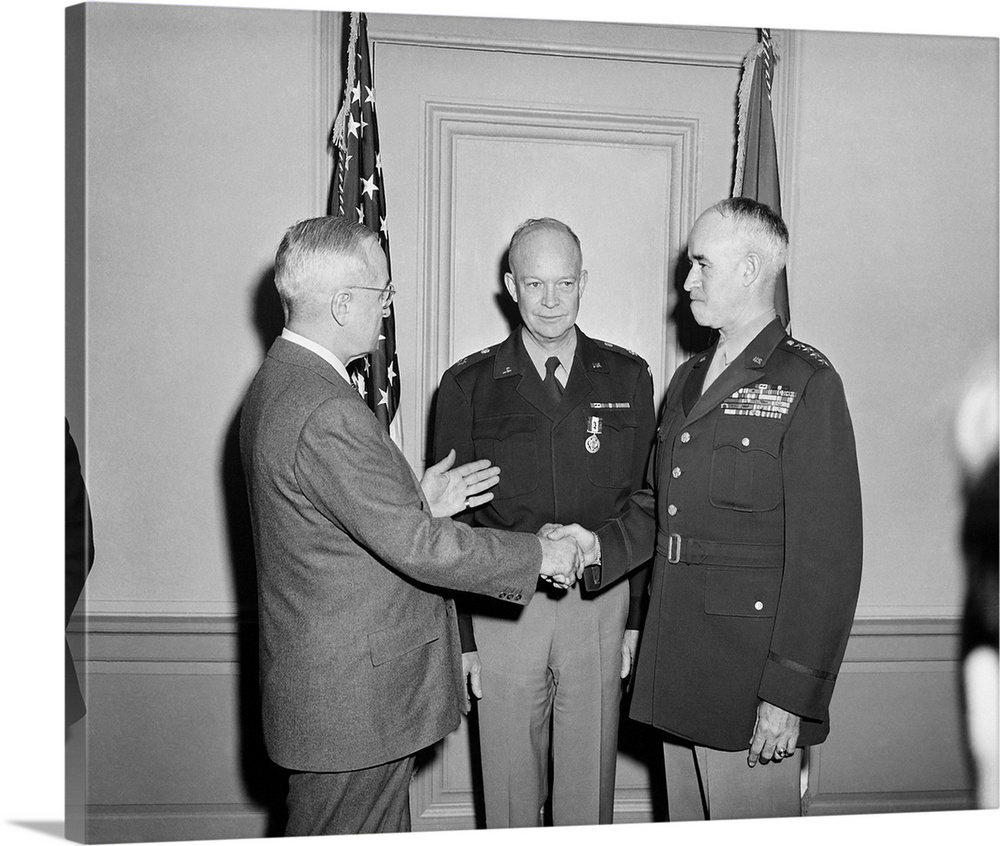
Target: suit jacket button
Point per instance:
(671, 510)
(685, 437)
(676, 472)
(759, 605)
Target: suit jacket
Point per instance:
(753, 507)
(359, 654)
(493, 405)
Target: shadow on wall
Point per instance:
(264, 781)
(691, 337)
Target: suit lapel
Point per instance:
(512, 359)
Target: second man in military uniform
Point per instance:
(569, 420)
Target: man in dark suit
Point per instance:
(360, 665)
(753, 508)
(569, 420)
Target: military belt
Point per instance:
(675, 549)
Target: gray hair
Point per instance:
(761, 230)
(536, 225)
(313, 255)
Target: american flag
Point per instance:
(756, 152)
(360, 195)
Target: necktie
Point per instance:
(555, 390)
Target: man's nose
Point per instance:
(550, 297)
(691, 279)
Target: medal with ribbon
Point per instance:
(594, 428)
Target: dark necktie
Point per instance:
(555, 390)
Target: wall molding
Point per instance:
(144, 823)
(569, 39)
(449, 124)
(442, 797)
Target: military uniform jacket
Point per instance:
(753, 508)
(493, 405)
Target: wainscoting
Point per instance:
(173, 747)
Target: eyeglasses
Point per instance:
(386, 293)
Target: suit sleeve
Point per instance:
(453, 430)
(355, 476)
(823, 549)
(642, 402)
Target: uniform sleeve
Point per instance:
(353, 474)
(453, 430)
(823, 548)
(628, 541)
(642, 402)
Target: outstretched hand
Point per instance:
(449, 490)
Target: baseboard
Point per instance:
(843, 804)
(144, 823)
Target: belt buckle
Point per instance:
(674, 548)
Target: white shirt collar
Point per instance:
(321, 351)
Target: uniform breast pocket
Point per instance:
(610, 465)
(746, 466)
(510, 442)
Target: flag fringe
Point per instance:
(337, 136)
(749, 61)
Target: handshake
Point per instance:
(566, 551)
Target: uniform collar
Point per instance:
(512, 358)
(759, 350)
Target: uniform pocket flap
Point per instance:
(501, 428)
(400, 639)
(618, 419)
(738, 592)
(749, 433)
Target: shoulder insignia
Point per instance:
(469, 360)
(804, 351)
(615, 348)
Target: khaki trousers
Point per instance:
(706, 784)
(554, 671)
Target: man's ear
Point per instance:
(583, 281)
(508, 280)
(752, 266)
(340, 306)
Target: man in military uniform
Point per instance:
(753, 508)
(569, 421)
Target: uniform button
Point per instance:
(746, 442)
(676, 472)
(671, 510)
(685, 437)
(759, 605)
